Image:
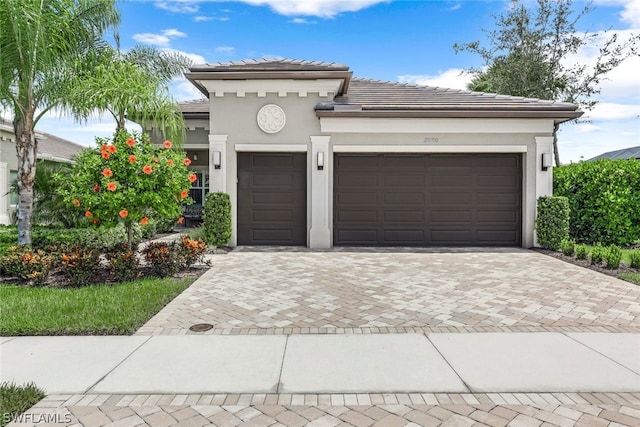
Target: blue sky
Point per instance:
(408, 41)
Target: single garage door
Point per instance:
(428, 199)
(272, 198)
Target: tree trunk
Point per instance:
(26, 147)
(556, 155)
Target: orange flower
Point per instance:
(103, 147)
(193, 178)
(88, 214)
(147, 169)
(107, 173)
(184, 194)
(111, 186)
(132, 158)
(170, 162)
(123, 213)
(131, 142)
(180, 220)
(187, 161)
(96, 187)
(111, 148)
(105, 155)
(167, 144)
(144, 221)
(95, 220)
(76, 202)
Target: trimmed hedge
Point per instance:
(604, 197)
(217, 219)
(552, 223)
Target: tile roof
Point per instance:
(376, 94)
(625, 153)
(51, 147)
(271, 64)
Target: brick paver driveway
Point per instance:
(258, 291)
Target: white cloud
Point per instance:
(587, 128)
(195, 58)
(302, 21)
(163, 39)
(630, 10)
(454, 7)
(319, 8)
(611, 111)
(202, 18)
(225, 50)
(453, 78)
(178, 6)
(172, 32)
(184, 90)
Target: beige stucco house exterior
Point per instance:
(50, 148)
(312, 156)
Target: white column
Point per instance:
(217, 177)
(320, 233)
(4, 196)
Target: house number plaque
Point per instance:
(271, 118)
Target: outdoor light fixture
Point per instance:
(217, 159)
(195, 157)
(547, 161)
(320, 160)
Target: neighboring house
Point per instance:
(311, 156)
(50, 148)
(625, 153)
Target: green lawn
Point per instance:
(93, 310)
(14, 400)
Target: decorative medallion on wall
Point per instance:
(271, 118)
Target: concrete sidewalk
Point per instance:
(383, 363)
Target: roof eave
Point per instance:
(559, 116)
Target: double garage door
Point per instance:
(386, 199)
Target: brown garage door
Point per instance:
(272, 198)
(428, 199)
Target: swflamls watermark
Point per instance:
(31, 418)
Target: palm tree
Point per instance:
(41, 41)
(131, 85)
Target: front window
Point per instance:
(199, 188)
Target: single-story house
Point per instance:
(312, 156)
(50, 148)
(625, 153)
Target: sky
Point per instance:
(393, 40)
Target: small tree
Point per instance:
(128, 180)
(528, 52)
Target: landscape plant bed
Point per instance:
(107, 309)
(629, 274)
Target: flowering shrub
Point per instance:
(26, 264)
(80, 265)
(192, 251)
(163, 258)
(123, 265)
(127, 180)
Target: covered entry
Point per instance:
(427, 199)
(272, 199)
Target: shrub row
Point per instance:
(604, 198)
(80, 265)
(217, 219)
(611, 255)
(552, 222)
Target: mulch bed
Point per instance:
(586, 263)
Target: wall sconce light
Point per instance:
(320, 160)
(217, 160)
(195, 157)
(547, 161)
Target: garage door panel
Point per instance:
(455, 199)
(404, 181)
(449, 180)
(403, 237)
(447, 216)
(272, 201)
(413, 198)
(357, 198)
(360, 216)
(404, 216)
